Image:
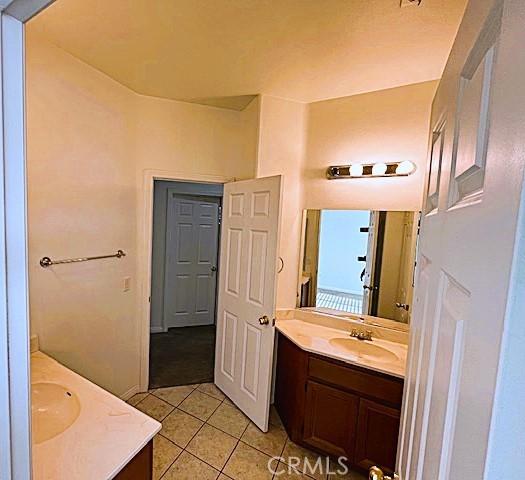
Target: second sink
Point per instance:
(54, 408)
(364, 350)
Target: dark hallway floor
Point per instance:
(182, 356)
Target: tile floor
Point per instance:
(205, 437)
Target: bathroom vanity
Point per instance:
(338, 395)
(81, 431)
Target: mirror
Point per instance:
(359, 262)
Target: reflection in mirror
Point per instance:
(359, 262)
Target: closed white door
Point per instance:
(469, 225)
(190, 282)
(246, 299)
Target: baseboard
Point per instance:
(156, 330)
(132, 391)
(34, 345)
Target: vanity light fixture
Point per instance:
(405, 168)
(380, 169)
(356, 170)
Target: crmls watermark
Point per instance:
(322, 465)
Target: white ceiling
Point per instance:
(210, 50)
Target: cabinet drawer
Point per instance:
(383, 388)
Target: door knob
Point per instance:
(213, 268)
(375, 473)
(264, 320)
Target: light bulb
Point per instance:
(379, 169)
(356, 170)
(405, 168)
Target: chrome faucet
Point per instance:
(360, 335)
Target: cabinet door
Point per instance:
(377, 434)
(289, 386)
(330, 420)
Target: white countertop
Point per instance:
(315, 338)
(107, 434)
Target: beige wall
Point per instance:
(81, 201)
(383, 126)
(299, 141)
(188, 138)
(89, 139)
(282, 131)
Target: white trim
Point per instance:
(15, 427)
(145, 225)
(132, 391)
(507, 435)
(14, 209)
(5, 427)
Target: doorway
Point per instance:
(339, 277)
(185, 245)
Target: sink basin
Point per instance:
(364, 350)
(54, 408)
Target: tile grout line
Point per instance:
(174, 460)
(282, 450)
(176, 408)
(205, 422)
(183, 449)
(238, 440)
(234, 448)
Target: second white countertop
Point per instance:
(107, 434)
(316, 338)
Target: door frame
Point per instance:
(144, 249)
(15, 433)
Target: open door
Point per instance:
(368, 276)
(246, 298)
(467, 251)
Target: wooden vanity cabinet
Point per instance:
(140, 466)
(338, 409)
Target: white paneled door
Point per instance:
(190, 279)
(469, 226)
(246, 300)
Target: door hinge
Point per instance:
(220, 214)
